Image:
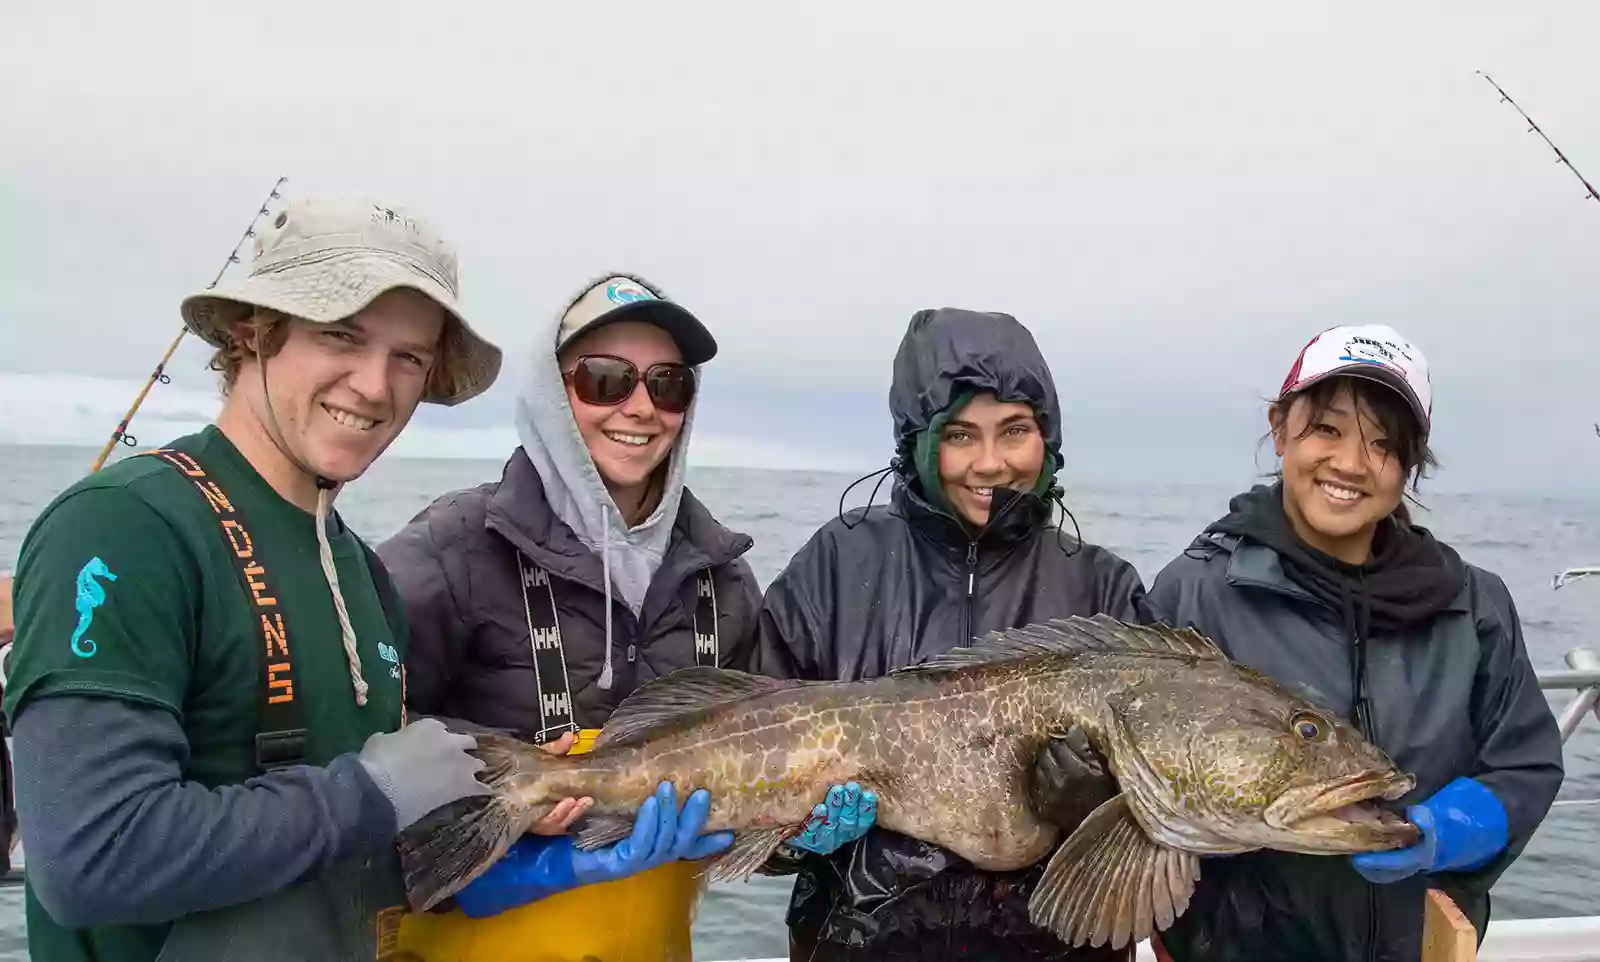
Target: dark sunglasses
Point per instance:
(606, 380)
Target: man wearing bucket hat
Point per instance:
(207, 688)
(1323, 582)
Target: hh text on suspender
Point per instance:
(549, 657)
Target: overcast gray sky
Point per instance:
(1173, 196)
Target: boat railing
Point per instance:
(1582, 676)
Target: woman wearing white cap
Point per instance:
(539, 602)
(1322, 582)
(207, 686)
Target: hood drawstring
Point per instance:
(1056, 495)
(1364, 635)
(330, 573)
(1360, 705)
(605, 564)
(882, 474)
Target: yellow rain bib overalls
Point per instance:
(642, 918)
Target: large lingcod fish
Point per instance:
(1209, 756)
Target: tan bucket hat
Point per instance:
(323, 259)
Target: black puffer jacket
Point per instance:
(1450, 693)
(470, 656)
(883, 588)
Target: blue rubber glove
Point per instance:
(1463, 828)
(845, 817)
(536, 867)
(660, 834)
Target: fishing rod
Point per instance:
(1571, 574)
(1534, 128)
(159, 374)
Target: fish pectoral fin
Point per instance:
(604, 828)
(750, 851)
(1109, 883)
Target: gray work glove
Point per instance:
(421, 767)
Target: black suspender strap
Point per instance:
(280, 729)
(550, 659)
(705, 616)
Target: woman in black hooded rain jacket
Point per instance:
(1322, 582)
(966, 547)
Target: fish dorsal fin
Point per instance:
(671, 697)
(1075, 636)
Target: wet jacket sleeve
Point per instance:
(1519, 745)
(1183, 594)
(417, 564)
(115, 835)
(790, 635)
(739, 612)
(1122, 592)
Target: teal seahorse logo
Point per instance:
(91, 595)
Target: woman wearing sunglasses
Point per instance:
(539, 602)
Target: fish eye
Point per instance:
(1308, 726)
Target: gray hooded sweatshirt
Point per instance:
(577, 494)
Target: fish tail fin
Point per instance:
(450, 846)
(446, 849)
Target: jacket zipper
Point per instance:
(1363, 720)
(972, 587)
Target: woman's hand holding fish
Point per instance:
(846, 816)
(568, 810)
(1463, 825)
(536, 868)
(562, 817)
(661, 833)
(560, 746)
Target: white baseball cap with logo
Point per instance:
(323, 259)
(1376, 352)
(618, 297)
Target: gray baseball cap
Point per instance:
(323, 259)
(619, 297)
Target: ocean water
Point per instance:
(1525, 539)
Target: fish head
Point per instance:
(1223, 760)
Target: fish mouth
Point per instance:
(1343, 814)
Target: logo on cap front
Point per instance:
(1367, 350)
(627, 292)
(388, 217)
(1348, 349)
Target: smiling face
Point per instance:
(630, 440)
(1344, 452)
(988, 444)
(340, 393)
